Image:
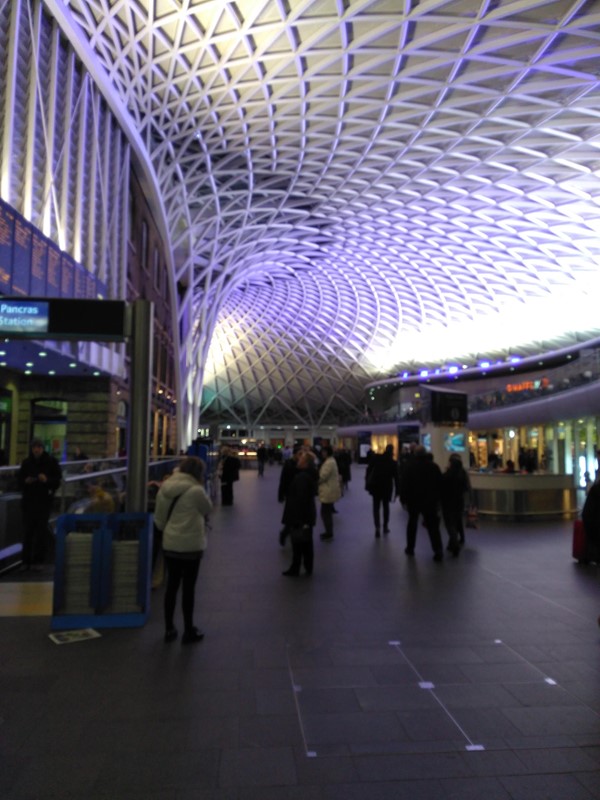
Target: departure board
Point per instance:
(39, 264)
(21, 267)
(7, 231)
(53, 272)
(67, 275)
(32, 265)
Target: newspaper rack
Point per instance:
(102, 571)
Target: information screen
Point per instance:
(24, 318)
(37, 318)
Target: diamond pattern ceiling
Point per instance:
(361, 186)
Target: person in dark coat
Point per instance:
(229, 473)
(455, 487)
(286, 476)
(38, 478)
(590, 515)
(420, 494)
(261, 457)
(382, 481)
(344, 462)
(300, 514)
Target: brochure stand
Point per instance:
(102, 571)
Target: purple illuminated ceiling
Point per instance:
(369, 185)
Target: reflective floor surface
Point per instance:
(380, 677)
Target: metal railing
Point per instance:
(81, 478)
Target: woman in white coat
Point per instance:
(181, 508)
(329, 490)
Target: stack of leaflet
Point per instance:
(78, 570)
(125, 570)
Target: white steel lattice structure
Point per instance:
(351, 187)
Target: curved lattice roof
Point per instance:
(365, 185)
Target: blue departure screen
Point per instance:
(23, 317)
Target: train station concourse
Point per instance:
(307, 217)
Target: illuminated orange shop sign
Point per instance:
(528, 386)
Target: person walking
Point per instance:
(261, 458)
(300, 513)
(181, 508)
(590, 515)
(382, 481)
(420, 494)
(455, 487)
(229, 472)
(329, 490)
(344, 463)
(286, 476)
(38, 479)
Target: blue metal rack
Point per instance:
(91, 588)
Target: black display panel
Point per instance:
(87, 319)
(448, 407)
(443, 407)
(46, 318)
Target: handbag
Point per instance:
(170, 511)
(158, 564)
(300, 534)
(157, 532)
(472, 517)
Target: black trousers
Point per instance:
(380, 501)
(431, 521)
(184, 572)
(453, 520)
(327, 517)
(302, 549)
(36, 517)
(227, 494)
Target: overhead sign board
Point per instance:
(24, 318)
(39, 318)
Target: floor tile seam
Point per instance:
(538, 595)
(295, 690)
(396, 644)
(429, 686)
(547, 680)
(422, 684)
(499, 744)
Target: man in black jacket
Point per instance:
(39, 477)
(229, 472)
(590, 515)
(382, 481)
(420, 494)
(300, 514)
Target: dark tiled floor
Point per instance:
(380, 677)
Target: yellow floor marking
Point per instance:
(26, 599)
